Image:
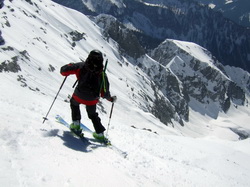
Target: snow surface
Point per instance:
(202, 153)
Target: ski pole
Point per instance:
(45, 118)
(111, 111)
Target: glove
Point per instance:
(113, 99)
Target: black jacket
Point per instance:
(91, 85)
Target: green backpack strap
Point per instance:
(103, 84)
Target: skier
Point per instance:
(92, 83)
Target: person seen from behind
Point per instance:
(92, 84)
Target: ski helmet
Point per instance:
(96, 55)
(95, 61)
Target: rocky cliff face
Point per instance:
(126, 38)
(189, 76)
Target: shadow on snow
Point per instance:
(73, 142)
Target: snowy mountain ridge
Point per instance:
(40, 37)
(180, 20)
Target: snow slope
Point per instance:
(36, 154)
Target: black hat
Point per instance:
(95, 56)
(95, 60)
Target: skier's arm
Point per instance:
(105, 93)
(70, 69)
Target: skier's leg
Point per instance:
(93, 115)
(76, 117)
(75, 110)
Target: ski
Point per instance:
(60, 120)
(85, 129)
(91, 140)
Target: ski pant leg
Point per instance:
(75, 110)
(93, 115)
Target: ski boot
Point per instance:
(100, 137)
(76, 129)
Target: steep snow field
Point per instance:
(202, 153)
